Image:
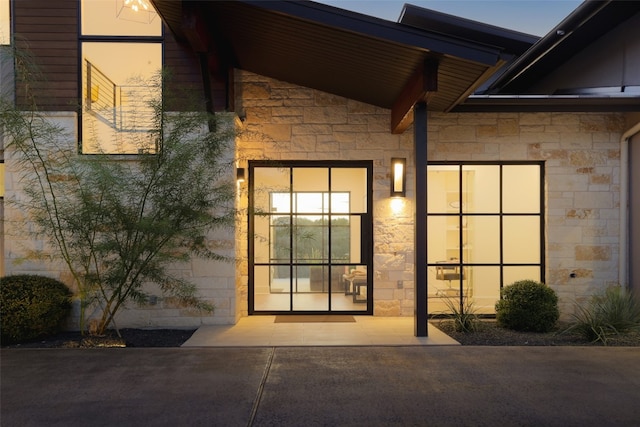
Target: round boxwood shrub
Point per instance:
(32, 306)
(527, 305)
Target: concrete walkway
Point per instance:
(262, 331)
(321, 386)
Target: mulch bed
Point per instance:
(129, 338)
(489, 333)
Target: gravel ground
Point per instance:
(488, 334)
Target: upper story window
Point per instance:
(121, 45)
(5, 22)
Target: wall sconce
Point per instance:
(240, 175)
(398, 177)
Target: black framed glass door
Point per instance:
(310, 237)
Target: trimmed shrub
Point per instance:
(527, 305)
(32, 306)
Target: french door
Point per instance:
(310, 234)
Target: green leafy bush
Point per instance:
(32, 306)
(527, 305)
(613, 312)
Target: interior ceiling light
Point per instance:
(135, 5)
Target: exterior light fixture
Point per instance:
(398, 177)
(240, 175)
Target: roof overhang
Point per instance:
(547, 103)
(378, 62)
(590, 21)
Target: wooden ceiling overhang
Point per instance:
(378, 62)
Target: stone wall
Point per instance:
(282, 121)
(582, 169)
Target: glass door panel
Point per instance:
(308, 238)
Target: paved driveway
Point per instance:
(322, 386)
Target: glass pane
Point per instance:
(355, 284)
(484, 288)
(355, 239)
(340, 239)
(340, 203)
(480, 188)
(352, 181)
(310, 179)
(341, 288)
(279, 242)
(271, 190)
(310, 203)
(443, 190)
(521, 239)
(521, 189)
(515, 273)
(481, 239)
(120, 87)
(270, 293)
(261, 239)
(437, 244)
(311, 287)
(120, 18)
(310, 239)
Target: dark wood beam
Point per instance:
(419, 87)
(194, 29)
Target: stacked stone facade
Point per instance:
(282, 121)
(581, 154)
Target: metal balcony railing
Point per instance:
(126, 108)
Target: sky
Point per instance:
(535, 17)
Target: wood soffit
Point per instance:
(378, 62)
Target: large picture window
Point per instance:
(485, 228)
(121, 63)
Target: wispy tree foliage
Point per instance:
(119, 223)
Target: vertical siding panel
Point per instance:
(48, 32)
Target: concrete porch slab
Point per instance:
(262, 331)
